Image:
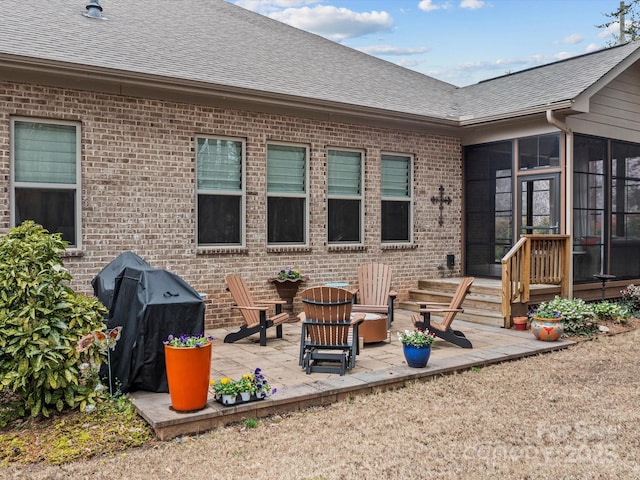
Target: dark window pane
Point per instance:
(539, 151)
(219, 220)
(344, 220)
(286, 220)
(395, 221)
(55, 210)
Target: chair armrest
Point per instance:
(393, 293)
(357, 318)
(273, 302)
(370, 308)
(263, 308)
(424, 304)
(441, 310)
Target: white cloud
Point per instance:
(335, 23)
(473, 72)
(573, 39)
(391, 50)
(613, 29)
(563, 55)
(408, 62)
(428, 6)
(592, 47)
(472, 4)
(265, 6)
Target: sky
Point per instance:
(457, 41)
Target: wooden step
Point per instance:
(483, 303)
(475, 315)
(472, 300)
(479, 286)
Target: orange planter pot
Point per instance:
(520, 323)
(547, 329)
(188, 371)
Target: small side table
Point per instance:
(336, 284)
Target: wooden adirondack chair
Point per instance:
(374, 294)
(443, 329)
(326, 344)
(255, 315)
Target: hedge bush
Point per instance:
(41, 322)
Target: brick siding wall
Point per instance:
(138, 191)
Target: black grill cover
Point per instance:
(104, 283)
(150, 304)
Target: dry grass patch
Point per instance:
(568, 414)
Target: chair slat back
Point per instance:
(328, 314)
(242, 297)
(456, 301)
(374, 284)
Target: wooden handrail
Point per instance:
(541, 259)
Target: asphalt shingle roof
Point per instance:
(220, 45)
(541, 86)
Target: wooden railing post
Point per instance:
(540, 259)
(506, 293)
(564, 286)
(526, 271)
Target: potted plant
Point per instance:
(227, 389)
(246, 387)
(520, 323)
(188, 365)
(250, 387)
(261, 385)
(287, 283)
(546, 322)
(416, 346)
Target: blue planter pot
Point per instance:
(417, 357)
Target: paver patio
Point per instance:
(379, 366)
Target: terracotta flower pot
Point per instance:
(188, 370)
(520, 323)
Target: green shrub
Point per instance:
(631, 298)
(610, 311)
(41, 321)
(579, 317)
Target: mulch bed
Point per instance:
(614, 328)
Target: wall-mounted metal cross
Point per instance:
(442, 200)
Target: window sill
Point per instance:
(72, 253)
(288, 248)
(220, 250)
(398, 246)
(345, 248)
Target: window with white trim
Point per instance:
(344, 212)
(396, 199)
(45, 176)
(287, 194)
(221, 191)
